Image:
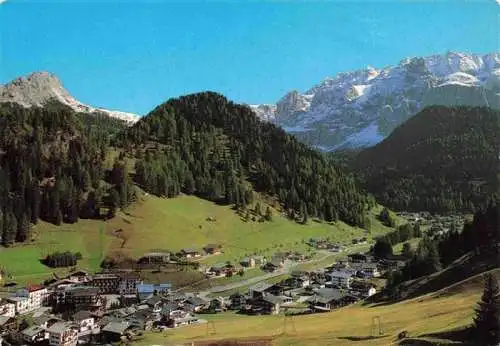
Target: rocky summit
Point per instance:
(40, 88)
(360, 108)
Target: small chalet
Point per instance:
(113, 331)
(182, 319)
(190, 253)
(273, 265)
(155, 303)
(360, 258)
(155, 258)
(84, 320)
(260, 290)
(63, 334)
(272, 304)
(237, 300)
(369, 270)
(342, 278)
(252, 261)
(326, 299)
(220, 269)
(363, 289)
(79, 276)
(213, 249)
(197, 304)
(217, 305)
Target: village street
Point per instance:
(287, 268)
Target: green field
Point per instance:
(22, 261)
(169, 224)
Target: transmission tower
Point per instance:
(211, 328)
(288, 321)
(377, 329)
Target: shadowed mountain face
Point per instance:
(444, 159)
(360, 108)
(41, 88)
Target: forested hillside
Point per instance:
(53, 164)
(51, 168)
(442, 160)
(204, 144)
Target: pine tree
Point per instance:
(59, 218)
(269, 214)
(1, 226)
(10, 228)
(257, 209)
(486, 322)
(23, 228)
(303, 213)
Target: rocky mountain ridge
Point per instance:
(360, 108)
(40, 88)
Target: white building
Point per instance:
(63, 334)
(7, 309)
(21, 304)
(31, 298)
(370, 270)
(341, 278)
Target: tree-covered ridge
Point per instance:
(211, 147)
(443, 159)
(52, 168)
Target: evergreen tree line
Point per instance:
(482, 236)
(62, 259)
(208, 146)
(52, 168)
(442, 160)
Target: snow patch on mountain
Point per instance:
(361, 107)
(368, 136)
(40, 88)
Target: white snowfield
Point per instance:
(40, 88)
(356, 107)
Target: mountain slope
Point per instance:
(52, 168)
(441, 160)
(360, 108)
(41, 88)
(211, 147)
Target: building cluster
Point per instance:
(343, 283)
(272, 264)
(104, 307)
(435, 223)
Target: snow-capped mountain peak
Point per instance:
(361, 107)
(40, 88)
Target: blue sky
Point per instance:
(132, 56)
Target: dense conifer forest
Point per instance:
(51, 168)
(52, 164)
(204, 144)
(441, 160)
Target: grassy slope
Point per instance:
(445, 310)
(398, 248)
(155, 223)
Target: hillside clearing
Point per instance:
(169, 224)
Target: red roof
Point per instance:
(33, 288)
